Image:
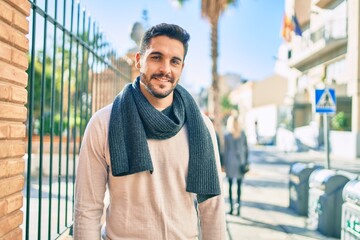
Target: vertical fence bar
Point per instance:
(92, 74)
(52, 99)
(107, 76)
(68, 117)
(76, 90)
(61, 117)
(42, 102)
(101, 80)
(87, 75)
(75, 104)
(30, 122)
(97, 74)
(82, 76)
(74, 131)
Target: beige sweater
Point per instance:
(142, 205)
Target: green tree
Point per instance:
(37, 83)
(227, 106)
(340, 122)
(211, 10)
(42, 73)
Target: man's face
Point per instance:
(160, 67)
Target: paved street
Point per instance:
(265, 200)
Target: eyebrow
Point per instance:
(160, 53)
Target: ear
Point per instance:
(137, 60)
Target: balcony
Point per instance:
(322, 3)
(302, 9)
(314, 44)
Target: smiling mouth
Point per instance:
(162, 79)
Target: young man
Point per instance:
(156, 153)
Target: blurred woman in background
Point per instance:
(235, 157)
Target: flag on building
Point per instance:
(290, 25)
(297, 28)
(287, 28)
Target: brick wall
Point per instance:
(14, 46)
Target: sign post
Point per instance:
(325, 103)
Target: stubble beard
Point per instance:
(151, 89)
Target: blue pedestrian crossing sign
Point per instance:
(325, 100)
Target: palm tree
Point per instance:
(211, 10)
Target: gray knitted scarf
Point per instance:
(133, 120)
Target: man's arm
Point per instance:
(91, 182)
(212, 211)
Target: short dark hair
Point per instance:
(164, 29)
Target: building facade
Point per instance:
(262, 109)
(326, 54)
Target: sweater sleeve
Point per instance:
(212, 211)
(91, 179)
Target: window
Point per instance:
(335, 72)
(302, 83)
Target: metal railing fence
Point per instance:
(73, 71)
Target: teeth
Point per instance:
(162, 80)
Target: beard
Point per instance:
(155, 91)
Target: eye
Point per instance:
(176, 61)
(155, 57)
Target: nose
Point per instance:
(165, 67)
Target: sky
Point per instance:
(249, 34)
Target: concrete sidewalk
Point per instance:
(265, 200)
(351, 165)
